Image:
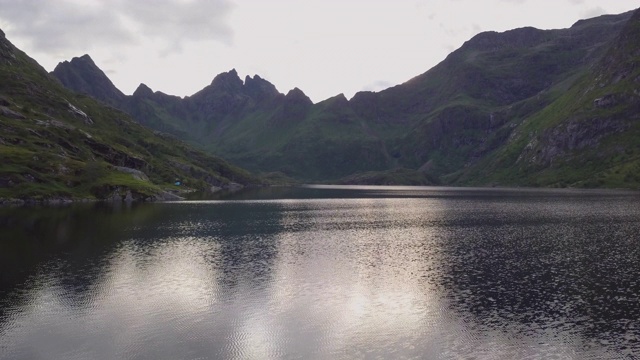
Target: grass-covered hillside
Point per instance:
(55, 143)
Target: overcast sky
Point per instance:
(324, 47)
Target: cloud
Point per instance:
(179, 20)
(58, 25)
(54, 25)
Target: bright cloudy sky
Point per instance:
(324, 47)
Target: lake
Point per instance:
(324, 272)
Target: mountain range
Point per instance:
(56, 144)
(523, 107)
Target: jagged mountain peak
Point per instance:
(143, 91)
(85, 62)
(298, 95)
(338, 100)
(255, 77)
(82, 63)
(82, 75)
(84, 58)
(259, 88)
(228, 80)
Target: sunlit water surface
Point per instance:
(327, 273)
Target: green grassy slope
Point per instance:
(56, 143)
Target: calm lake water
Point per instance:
(326, 273)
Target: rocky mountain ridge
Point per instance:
(494, 97)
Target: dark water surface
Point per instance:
(327, 273)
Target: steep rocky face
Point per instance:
(83, 76)
(557, 143)
(259, 89)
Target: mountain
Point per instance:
(86, 78)
(251, 123)
(484, 115)
(59, 144)
(588, 135)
